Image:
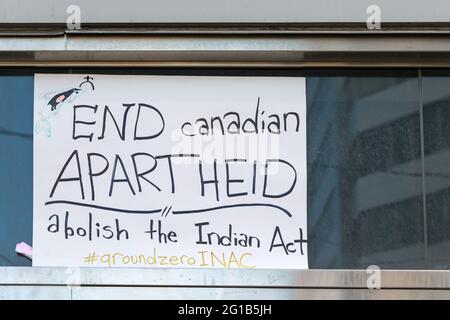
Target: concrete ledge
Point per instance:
(355, 279)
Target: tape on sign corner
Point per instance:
(25, 250)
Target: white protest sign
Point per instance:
(169, 171)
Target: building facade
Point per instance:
(378, 135)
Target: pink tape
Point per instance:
(25, 250)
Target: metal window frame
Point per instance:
(221, 48)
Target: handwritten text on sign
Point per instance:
(169, 171)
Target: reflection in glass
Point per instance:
(436, 113)
(16, 166)
(364, 169)
(364, 185)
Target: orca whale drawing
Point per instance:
(61, 97)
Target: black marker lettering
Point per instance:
(265, 179)
(160, 118)
(95, 174)
(229, 181)
(77, 178)
(121, 131)
(113, 176)
(182, 129)
(75, 122)
(141, 175)
(203, 182)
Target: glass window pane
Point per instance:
(364, 172)
(436, 102)
(364, 185)
(16, 165)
